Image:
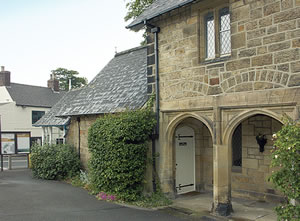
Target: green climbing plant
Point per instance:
(118, 144)
(286, 157)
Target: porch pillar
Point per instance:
(43, 135)
(222, 173)
(64, 134)
(166, 161)
(50, 135)
(166, 172)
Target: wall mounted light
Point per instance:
(261, 140)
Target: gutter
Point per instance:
(131, 26)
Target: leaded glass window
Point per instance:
(210, 36)
(237, 147)
(225, 39)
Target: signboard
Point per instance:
(23, 142)
(8, 143)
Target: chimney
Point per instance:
(53, 83)
(4, 77)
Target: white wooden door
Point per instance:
(185, 160)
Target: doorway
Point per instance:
(185, 160)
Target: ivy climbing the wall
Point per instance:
(118, 144)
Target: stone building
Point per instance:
(228, 71)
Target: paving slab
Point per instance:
(244, 209)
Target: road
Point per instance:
(25, 198)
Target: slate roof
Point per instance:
(50, 119)
(120, 85)
(33, 96)
(157, 8)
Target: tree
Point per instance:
(64, 75)
(286, 157)
(136, 7)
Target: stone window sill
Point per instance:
(236, 169)
(216, 60)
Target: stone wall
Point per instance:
(73, 136)
(255, 170)
(85, 124)
(265, 50)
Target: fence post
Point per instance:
(9, 162)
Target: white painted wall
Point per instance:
(4, 95)
(17, 118)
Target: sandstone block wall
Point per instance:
(255, 168)
(265, 50)
(73, 136)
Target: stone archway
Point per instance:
(232, 124)
(203, 152)
(250, 169)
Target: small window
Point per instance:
(216, 35)
(237, 147)
(36, 115)
(36, 141)
(210, 36)
(225, 39)
(59, 141)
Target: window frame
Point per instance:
(222, 12)
(216, 12)
(32, 112)
(237, 135)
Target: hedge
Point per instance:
(118, 144)
(54, 162)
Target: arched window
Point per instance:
(237, 147)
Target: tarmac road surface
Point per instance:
(23, 198)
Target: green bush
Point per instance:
(118, 146)
(286, 157)
(53, 162)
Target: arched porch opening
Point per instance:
(250, 163)
(184, 133)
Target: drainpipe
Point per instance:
(155, 30)
(78, 123)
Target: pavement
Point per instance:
(199, 204)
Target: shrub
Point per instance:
(53, 162)
(118, 147)
(286, 157)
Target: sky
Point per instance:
(37, 36)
